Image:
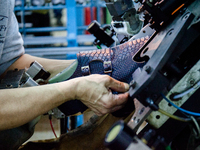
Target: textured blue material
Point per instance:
(122, 67)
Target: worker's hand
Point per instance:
(95, 92)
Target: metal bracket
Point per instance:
(140, 115)
(156, 119)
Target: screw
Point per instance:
(192, 81)
(9, 85)
(137, 121)
(133, 84)
(141, 110)
(147, 69)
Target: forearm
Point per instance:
(51, 65)
(21, 105)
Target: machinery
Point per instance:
(125, 20)
(166, 90)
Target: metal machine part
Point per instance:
(119, 136)
(22, 78)
(146, 30)
(158, 40)
(56, 113)
(118, 7)
(172, 69)
(179, 35)
(28, 81)
(102, 37)
(125, 20)
(157, 12)
(16, 79)
(12, 79)
(160, 83)
(140, 115)
(129, 25)
(151, 82)
(138, 144)
(189, 81)
(36, 71)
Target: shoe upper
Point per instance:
(121, 67)
(116, 62)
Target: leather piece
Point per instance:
(122, 67)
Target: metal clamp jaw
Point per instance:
(16, 79)
(36, 71)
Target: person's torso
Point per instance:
(11, 43)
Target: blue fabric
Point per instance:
(122, 67)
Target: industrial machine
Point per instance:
(166, 90)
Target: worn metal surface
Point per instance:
(156, 119)
(140, 115)
(150, 83)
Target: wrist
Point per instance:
(78, 89)
(67, 89)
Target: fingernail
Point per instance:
(126, 86)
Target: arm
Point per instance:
(52, 65)
(19, 106)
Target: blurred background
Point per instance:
(58, 28)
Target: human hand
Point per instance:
(95, 91)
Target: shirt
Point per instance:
(11, 42)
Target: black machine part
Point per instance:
(151, 81)
(171, 58)
(157, 12)
(125, 20)
(170, 67)
(16, 79)
(36, 71)
(100, 33)
(119, 7)
(119, 136)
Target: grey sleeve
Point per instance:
(12, 46)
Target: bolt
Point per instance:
(165, 74)
(141, 110)
(137, 121)
(192, 81)
(133, 84)
(149, 101)
(9, 85)
(147, 69)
